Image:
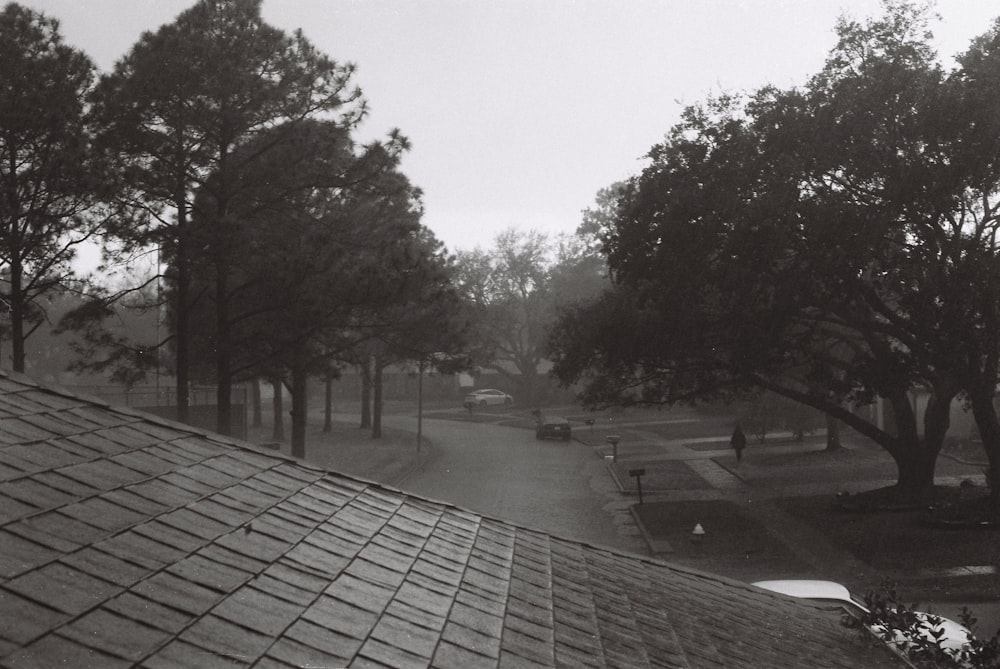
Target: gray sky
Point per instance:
(519, 111)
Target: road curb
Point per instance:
(962, 461)
(608, 464)
(656, 546)
(424, 456)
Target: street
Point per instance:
(557, 487)
(566, 490)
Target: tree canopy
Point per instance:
(316, 234)
(52, 187)
(817, 242)
(180, 111)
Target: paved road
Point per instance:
(560, 488)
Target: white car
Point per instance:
(487, 397)
(954, 637)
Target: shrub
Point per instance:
(922, 636)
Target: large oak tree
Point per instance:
(821, 243)
(508, 292)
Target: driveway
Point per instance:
(561, 488)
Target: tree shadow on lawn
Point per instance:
(735, 544)
(897, 540)
(349, 450)
(925, 562)
(844, 467)
(821, 466)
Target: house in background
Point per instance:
(961, 423)
(129, 540)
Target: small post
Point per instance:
(638, 474)
(613, 439)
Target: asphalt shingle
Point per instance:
(127, 540)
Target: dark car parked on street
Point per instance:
(555, 427)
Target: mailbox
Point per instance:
(613, 439)
(638, 474)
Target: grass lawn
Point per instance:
(896, 540)
(509, 416)
(735, 544)
(754, 444)
(350, 450)
(659, 476)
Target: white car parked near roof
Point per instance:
(486, 397)
(954, 638)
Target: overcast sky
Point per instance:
(519, 111)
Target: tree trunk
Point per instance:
(328, 405)
(17, 310)
(366, 393)
(913, 478)
(223, 259)
(278, 406)
(420, 402)
(528, 394)
(832, 433)
(985, 414)
(937, 420)
(377, 398)
(257, 419)
(916, 475)
(223, 344)
(299, 412)
(182, 343)
(916, 456)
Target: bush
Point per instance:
(922, 637)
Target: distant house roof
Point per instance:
(129, 540)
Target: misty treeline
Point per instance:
(225, 146)
(284, 249)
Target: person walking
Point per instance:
(738, 442)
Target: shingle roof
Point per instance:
(129, 540)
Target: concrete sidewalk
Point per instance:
(682, 469)
(697, 470)
(692, 471)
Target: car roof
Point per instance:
(809, 589)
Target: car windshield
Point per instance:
(859, 605)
